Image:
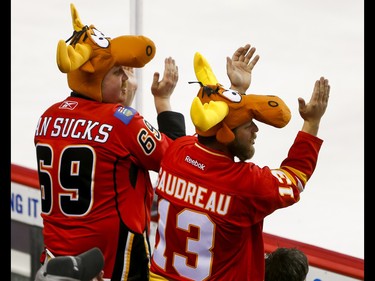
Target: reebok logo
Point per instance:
(68, 105)
(195, 163)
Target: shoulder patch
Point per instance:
(125, 114)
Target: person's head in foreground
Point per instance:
(286, 264)
(87, 266)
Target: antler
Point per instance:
(77, 23)
(69, 59)
(205, 116)
(203, 70)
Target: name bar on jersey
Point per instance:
(193, 194)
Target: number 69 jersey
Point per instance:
(211, 209)
(93, 163)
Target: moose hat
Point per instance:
(91, 54)
(216, 111)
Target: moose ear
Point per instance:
(203, 70)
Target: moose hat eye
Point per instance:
(99, 38)
(232, 95)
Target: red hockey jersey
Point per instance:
(93, 163)
(211, 209)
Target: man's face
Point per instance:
(115, 87)
(243, 144)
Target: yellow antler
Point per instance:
(69, 59)
(206, 116)
(77, 24)
(203, 70)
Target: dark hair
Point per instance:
(286, 264)
(207, 140)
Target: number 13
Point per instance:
(202, 246)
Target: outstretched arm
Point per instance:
(313, 111)
(170, 123)
(162, 90)
(240, 66)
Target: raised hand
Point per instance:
(313, 111)
(240, 66)
(162, 90)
